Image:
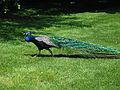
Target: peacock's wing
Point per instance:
(84, 46)
(45, 39)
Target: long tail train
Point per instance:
(83, 46)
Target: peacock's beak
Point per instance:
(24, 33)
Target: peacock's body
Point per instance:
(45, 42)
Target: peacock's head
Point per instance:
(28, 36)
(27, 33)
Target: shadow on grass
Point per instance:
(94, 56)
(12, 26)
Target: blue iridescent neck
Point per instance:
(28, 38)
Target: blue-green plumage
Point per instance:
(45, 42)
(84, 46)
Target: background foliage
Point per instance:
(64, 5)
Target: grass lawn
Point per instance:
(20, 71)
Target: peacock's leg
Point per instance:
(39, 53)
(50, 51)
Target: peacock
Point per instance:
(46, 42)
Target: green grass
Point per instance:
(20, 71)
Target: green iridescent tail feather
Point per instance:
(83, 46)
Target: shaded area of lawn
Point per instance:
(13, 26)
(95, 27)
